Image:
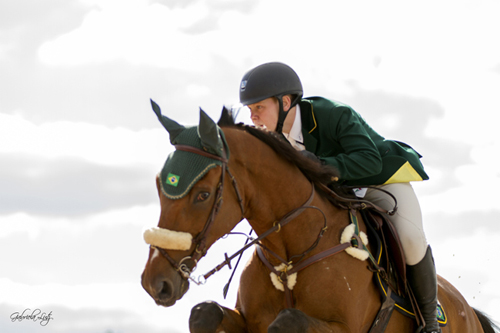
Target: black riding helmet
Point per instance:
(273, 79)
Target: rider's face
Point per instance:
(265, 113)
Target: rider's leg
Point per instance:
(408, 223)
(407, 220)
(423, 281)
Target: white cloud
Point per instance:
(126, 294)
(470, 114)
(476, 188)
(19, 223)
(74, 297)
(134, 32)
(475, 280)
(95, 143)
(462, 199)
(4, 48)
(31, 225)
(425, 55)
(95, 301)
(445, 54)
(196, 90)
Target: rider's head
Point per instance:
(270, 91)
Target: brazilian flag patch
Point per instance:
(440, 315)
(172, 180)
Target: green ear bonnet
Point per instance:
(183, 169)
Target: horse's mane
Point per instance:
(316, 172)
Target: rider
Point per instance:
(335, 134)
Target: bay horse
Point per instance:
(280, 194)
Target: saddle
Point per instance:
(390, 272)
(387, 249)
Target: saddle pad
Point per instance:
(403, 305)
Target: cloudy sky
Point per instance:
(80, 146)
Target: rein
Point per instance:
(200, 240)
(275, 228)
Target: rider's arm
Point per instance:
(356, 155)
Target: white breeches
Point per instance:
(407, 220)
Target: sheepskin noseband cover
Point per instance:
(168, 239)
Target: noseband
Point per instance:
(200, 240)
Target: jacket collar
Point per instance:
(309, 125)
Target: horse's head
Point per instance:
(190, 188)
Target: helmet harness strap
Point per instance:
(281, 115)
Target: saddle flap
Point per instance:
(392, 242)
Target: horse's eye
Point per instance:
(202, 196)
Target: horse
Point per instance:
(281, 195)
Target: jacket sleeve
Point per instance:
(354, 153)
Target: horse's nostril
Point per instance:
(164, 290)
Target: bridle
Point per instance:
(185, 270)
(183, 266)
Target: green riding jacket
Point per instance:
(340, 137)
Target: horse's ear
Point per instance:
(226, 117)
(208, 132)
(171, 126)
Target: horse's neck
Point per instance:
(271, 189)
(301, 233)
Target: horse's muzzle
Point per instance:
(163, 290)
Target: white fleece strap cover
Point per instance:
(291, 279)
(346, 237)
(168, 239)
